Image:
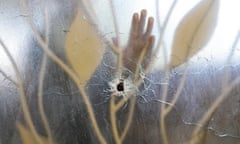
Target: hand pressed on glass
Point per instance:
(136, 55)
(140, 42)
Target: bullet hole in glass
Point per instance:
(120, 86)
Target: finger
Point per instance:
(149, 27)
(142, 22)
(147, 58)
(134, 27)
(151, 42)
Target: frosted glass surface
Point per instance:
(209, 75)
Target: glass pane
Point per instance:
(119, 72)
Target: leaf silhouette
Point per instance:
(83, 47)
(28, 138)
(194, 31)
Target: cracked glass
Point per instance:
(119, 72)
